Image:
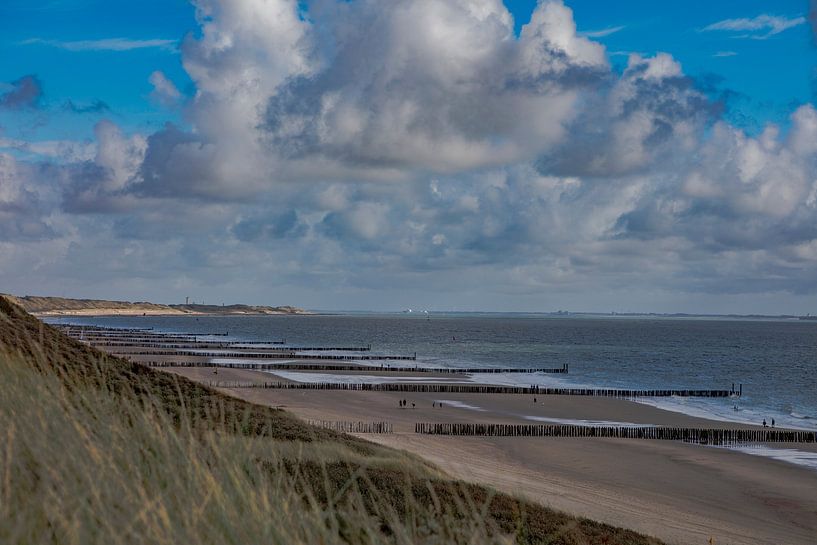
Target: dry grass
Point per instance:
(94, 449)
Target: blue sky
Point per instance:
(364, 154)
(118, 78)
(768, 76)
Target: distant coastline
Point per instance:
(61, 306)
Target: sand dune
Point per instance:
(60, 306)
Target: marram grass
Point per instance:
(84, 467)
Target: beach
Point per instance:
(681, 493)
(678, 492)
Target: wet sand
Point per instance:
(681, 493)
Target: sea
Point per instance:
(775, 360)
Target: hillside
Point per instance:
(101, 450)
(60, 306)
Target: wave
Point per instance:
(719, 409)
(588, 423)
(792, 456)
(460, 405)
(352, 379)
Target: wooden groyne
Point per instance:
(172, 342)
(282, 341)
(704, 436)
(167, 345)
(147, 335)
(129, 340)
(353, 427)
(468, 389)
(101, 328)
(368, 368)
(124, 331)
(268, 355)
(235, 346)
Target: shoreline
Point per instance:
(108, 313)
(705, 408)
(679, 492)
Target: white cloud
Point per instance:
(442, 86)
(603, 33)
(66, 151)
(106, 44)
(421, 148)
(26, 203)
(99, 184)
(768, 24)
(164, 90)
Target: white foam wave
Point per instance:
(792, 456)
(352, 379)
(548, 380)
(722, 410)
(587, 423)
(460, 405)
(250, 360)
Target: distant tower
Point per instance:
(187, 300)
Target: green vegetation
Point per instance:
(61, 305)
(94, 449)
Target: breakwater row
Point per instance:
(266, 355)
(237, 345)
(703, 436)
(469, 389)
(368, 368)
(353, 427)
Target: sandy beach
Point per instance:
(107, 312)
(681, 493)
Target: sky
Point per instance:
(463, 155)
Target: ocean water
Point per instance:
(775, 360)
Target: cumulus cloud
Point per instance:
(66, 151)
(23, 93)
(24, 210)
(164, 90)
(442, 86)
(100, 184)
(651, 112)
(760, 28)
(421, 147)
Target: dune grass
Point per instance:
(95, 449)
